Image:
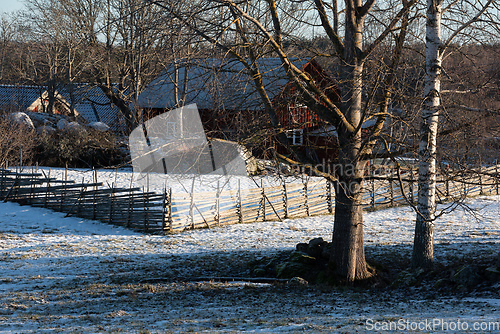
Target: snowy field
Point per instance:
(71, 275)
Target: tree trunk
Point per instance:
(423, 247)
(131, 118)
(348, 250)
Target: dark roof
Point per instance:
(89, 101)
(19, 98)
(93, 105)
(217, 84)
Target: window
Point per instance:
(296, 136)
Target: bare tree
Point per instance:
(8, 30)
(249, 30)
(118, 45)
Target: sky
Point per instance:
(7, 6)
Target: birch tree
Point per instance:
(423, 249)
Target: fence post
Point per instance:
(411, 185)
(480, 181)
(306, 202)
(373, 193)
(163, 209)
(82, 197)
(63, 190)
(329, 196)
(145, 221)
(32, 186)
(497, 178)
(170, 219)
(285, 200)
(94, 199)
(263, 193)
(110, 219)
(239, 208)
(391, 188)
(217, 205)
(130, 208)
(45, 203)
(2, 183)
(465, 185)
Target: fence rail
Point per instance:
(174, 212)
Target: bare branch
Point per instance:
(464, 26)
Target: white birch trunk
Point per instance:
(423, 248)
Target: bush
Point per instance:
(17, 143)
(84, 148)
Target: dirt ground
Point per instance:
(127, 294)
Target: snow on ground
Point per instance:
(81, 276)
(179, 183)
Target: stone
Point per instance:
(326, 250)
(23, 119)
(300, 257)
(62, 124)
(298, 281)
(316, 242)
(45, 129)
(99, 126)
(74, 126)
(302, 247)
(315, 248)
(466, 276)
(291, 269)
(259, 271)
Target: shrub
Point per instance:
(84, 148)
(17, 142)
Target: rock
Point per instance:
(498, 261)
(23, 119)
(41, 119)
(62, 124)
(298, 281)
(259, 271)
(316, 246)
(292, 269)
(302, 247)
(74, 126)
(99, 126)
(300, 257)
(316, 242)
(45, 129)
(466, 276)
(406, 278)
(326, 250)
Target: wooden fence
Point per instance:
(175, 212)
(130, 207)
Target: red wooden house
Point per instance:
(231, 108)
(304, 128)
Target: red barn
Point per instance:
(231, 108)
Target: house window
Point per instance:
(296, 136)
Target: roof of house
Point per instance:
(89, 101)
(94, 105)
(19, 98)
(216, 84)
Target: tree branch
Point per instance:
(465, 25)
(389, 28)
(332, 34)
